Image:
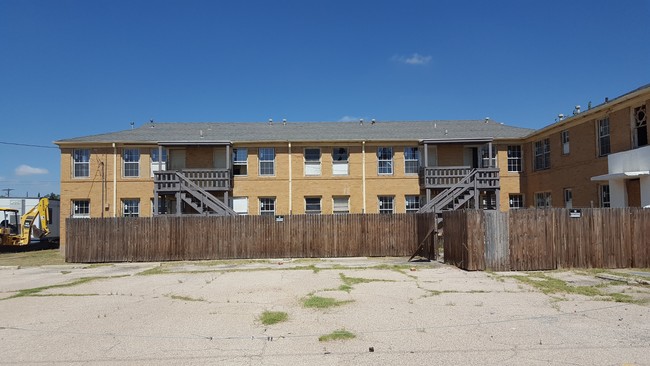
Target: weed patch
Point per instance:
(184, 298)
(37, 290)
(273, 317)
(337, 335)
(319, 302)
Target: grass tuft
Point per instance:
(184, 298)
(37, 290)
(337, 335)
(319, 302)
(273, 317)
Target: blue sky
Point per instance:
(71, 68)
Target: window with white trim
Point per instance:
(412, 204)
(312, 161)
(240, 161)
(386, 204)
(154, 160)
(312, 205)
(340, 161)
(603, 191)
(640, 127)
(384, 160)
(267, 206)
(240, 205)
(131, 159)
(341, 205)
(266, 160)
(542, 154)
(514, 158)
(81, 208)
(604, 147)
(488, 161)
(543, 200)
(568, 198)
(81, 162)
(131, 207)
(516, 201)
(411, 160)
(564, 137)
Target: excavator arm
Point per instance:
(27, 221)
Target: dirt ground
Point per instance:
(398, 313)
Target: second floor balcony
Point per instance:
(442, 177)
(207, 179)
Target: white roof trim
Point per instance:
(624, 175)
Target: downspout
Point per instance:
(363, 174)
(114, 180)
(290, 182)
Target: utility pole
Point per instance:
(8, 190)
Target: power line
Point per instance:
(28, 145)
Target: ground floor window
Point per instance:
(341, 205)
(543, 200)
(131, 207)
(386, 204)
(412, 204)
(568, 198)
(81, 208)
(267, 206)
(604, 196)
(240, 205)
(312, 205)
(516, 201)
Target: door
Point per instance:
(177, 159)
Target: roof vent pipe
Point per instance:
(270, 121)
(576, 110)
(606, 99)
(487, 119)
(560, 116)
(361, 121)
(151, 123)
(284, 121)
(372, 122)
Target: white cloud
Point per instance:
(28, 170)
(414, 59)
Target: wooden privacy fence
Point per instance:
(209, 237)
(534, 239)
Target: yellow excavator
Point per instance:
(16, 230)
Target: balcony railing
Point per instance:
(207, 179)
(442, 177)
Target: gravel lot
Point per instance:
(400, 313)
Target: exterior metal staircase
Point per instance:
(191, 193)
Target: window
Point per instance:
(240, 161)
(564, 136)
(312, 162)
(604, 196)
(162, 206)
(240, 205)
(340, 164)
(568, 198)
(267, 206)
(131, 207)
(131, 162)
(341, 205)
(516, 201)
(542, 154)
(312, 205)
(514, 158)
(81, 162)
(488, 161)
(267, 160)
(411, 160)
(385, 160)
(543, 200)
(412, 204)
(640, 127)
(604, 147)
(487, 201)
(154, 160)
(81, 208)
(386, 204)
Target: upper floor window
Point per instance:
(604, 195)
(312, 162)
(514, 158)
(312, 205)
(81, 159)
(341, 205)
(155, 159)
(131, 162)
(412, 204)
(81, 208)
(267, 206)
(516, 201)
(604, 147)
(385, 160)
(267, 160)
(386, 204)
(131, 207)
(240, 161)
(640, 127)
(542, 154)
(411, 160)
(340, 164)
(564, 137)
(543, 200)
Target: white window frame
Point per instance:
(264, 164)
(412, 157)
(542, 153)
(386, 204)
(264, 209)
(604, 196)
(340, 161)
(80, 208)
(237, 165)
(342, 206)
(564, 138)
(515, 159)
(604, 139)
(568, 198)
(313, 205)
(412, 203)
(130, 164)
(154, 160)
(240, 205)
(516, 201)
(78, 157)
(312, 165)
(384, 163)
(543, 200)
(130, 207)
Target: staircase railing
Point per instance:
(448, 195)
(205, 197)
